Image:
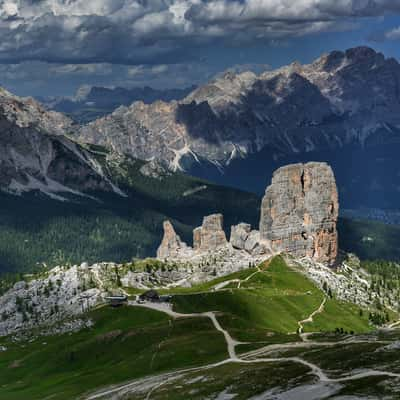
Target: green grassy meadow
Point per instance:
(125, 343)
(272, 302)
(131, 342)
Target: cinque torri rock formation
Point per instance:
(171, 245)
(299, 213)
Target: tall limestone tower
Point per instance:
(299, 212)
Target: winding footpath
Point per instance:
(151, 384)
(310, 319)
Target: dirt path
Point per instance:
(150, 384)
(249, 277)
(239, 282)
(167, 309)
(310, 319)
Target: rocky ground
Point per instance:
(66, 293)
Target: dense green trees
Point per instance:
(37, 231)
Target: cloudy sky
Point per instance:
(51, 47)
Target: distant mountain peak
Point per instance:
(339, 98)
(35, 154)
(92, 102)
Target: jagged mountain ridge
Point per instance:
(91, 102)
(36, 155)
(341, 98)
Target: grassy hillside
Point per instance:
(125, 343)
(272, 301)
(131, 342)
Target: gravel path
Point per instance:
(150, 384)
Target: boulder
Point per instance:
(239, 235)
(299, 212)
(255, 245)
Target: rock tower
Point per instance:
(298, 216)
(299, 212)
(171, 246)
(210, 235)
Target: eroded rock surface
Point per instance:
(235, 115)
(298, 217)
(239, 235)
(299, 212)
(171, 246)
(211, 234)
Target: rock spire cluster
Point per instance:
(298, 216)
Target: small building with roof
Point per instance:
(150, 295)
(117, 300)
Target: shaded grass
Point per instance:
(131, 342)
(243, 381)
(125, 343)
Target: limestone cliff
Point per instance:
(352, 97)
(211, 234)
(298, 217)
(299, 212)
(171, 246)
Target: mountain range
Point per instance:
(277, 311)
(342, 108)
(91, 102)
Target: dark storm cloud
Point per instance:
(161, 31)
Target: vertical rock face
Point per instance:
(171, 245)
(299, 212)
(211, 234)
(298, 216)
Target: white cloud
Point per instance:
(393, 34)
(162, 31)
(9, 9)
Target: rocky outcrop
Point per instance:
(171, 246)
(57, 295)
(256, 245)
(243, 238)
(211, 234)
(239, 235)
(299, 212)
(298, 217)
